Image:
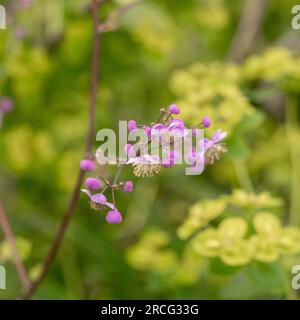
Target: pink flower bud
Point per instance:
(128, 186)
(131, 125)
(6, 104)
(174, 109)
(114, 217)
(87, 165)
(206, 122)
(147, 131)
(93, 183)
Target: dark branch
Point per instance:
(88, 148)
(9, 236)
(248, 29)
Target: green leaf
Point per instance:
(251, 121)
(256, 281)
(237, 147)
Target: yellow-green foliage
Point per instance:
(149, 25)
(271, 239)
(24, 248)
(256, 234)
(216, 89)
(216, 233)
(201, 213)
(151, 253)
(274, 64)
(211, 89)
(226, 242)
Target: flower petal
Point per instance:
(266, 224)
(87, 192)
(207, 243)
(265, 249)
(289, 240)
(233, 228)
(237, 253)
(218, 135)
(99, 198)
(110, 205)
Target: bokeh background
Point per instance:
(236, 61)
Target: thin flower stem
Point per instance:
(113, 20)
(104, 189)
(113, 197)
(14, 249)
(88, 148)
(161, 116)
(118, 173)
(105, 181)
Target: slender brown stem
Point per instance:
(113, 20)
(14, 249)
(88, 148)
(248, 29)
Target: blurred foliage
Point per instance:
(232, 232)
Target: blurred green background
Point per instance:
(201, 55)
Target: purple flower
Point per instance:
(87, 165)
(177, 128)
(157, 128)
(206, 122)
(129, 150)
(114, 217)
(131, 125)
(174, 109)
(147, 131)
(128, 186)
(176, 124)
(6, 104)
(213, 148)
(217, 137)
(93, 183)
(145, 165)
(161, 131)
(98, 199)
(144, 159)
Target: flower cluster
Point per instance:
(167, 131)
(161, 148)
(235, 241)
(214, 89)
